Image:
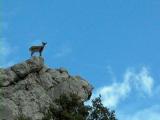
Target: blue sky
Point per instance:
(114, 44)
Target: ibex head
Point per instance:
(44, 43)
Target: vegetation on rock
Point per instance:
(22, 117)
(71, 108)
(68, 108)
(99, 112)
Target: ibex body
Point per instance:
(39, 49)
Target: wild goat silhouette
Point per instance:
(39, 49)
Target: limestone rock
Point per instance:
(30, 86)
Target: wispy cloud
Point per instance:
(4, 48)
(4, 26)
(5, 52)
(151, 113)
(141, 80)
(111, 73)
(144, 81)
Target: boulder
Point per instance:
(29, 87)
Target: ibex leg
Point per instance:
(40, 53)
(32, 53)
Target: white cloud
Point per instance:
(4, 48)
(151, 113)
(5, 52)
(142, 81)
(112, 94)
(4, 26)
(111, 73)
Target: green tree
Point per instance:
(72, 108)
(22, 117)
(99, 112)
(67, 108)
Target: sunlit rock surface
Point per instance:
(30, 86)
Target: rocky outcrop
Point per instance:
(30, 87)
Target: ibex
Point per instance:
(39, 49)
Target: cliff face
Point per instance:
(29, 87)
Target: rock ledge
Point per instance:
(30, 86)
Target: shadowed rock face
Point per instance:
(30, 86)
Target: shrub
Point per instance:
(22, 117)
